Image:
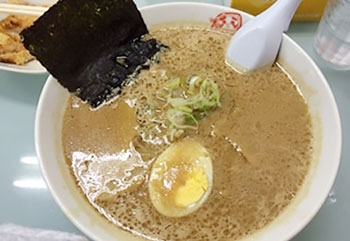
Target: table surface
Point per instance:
(25, 200)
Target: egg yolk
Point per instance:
(193, 190)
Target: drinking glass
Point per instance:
(332, 40)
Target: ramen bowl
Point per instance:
(309, 79)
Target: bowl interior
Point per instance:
(312, 84)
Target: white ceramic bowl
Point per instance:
(311, 82)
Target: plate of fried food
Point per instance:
(14, 57)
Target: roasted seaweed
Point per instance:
(91, 46)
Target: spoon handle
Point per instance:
(281, 12)
(256, 44)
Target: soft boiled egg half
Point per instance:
(181, 179)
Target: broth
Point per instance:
(259, 140)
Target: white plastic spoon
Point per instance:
(256, 44)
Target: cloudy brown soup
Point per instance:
(258, 138)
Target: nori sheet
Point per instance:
(91, 46)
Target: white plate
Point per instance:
(32, 67)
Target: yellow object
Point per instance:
(181, 179)
(309, 10)
(193, 190)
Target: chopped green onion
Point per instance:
(189, 102)
(184, 108)
(178, 119)
(174, 83)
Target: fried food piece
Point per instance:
(20, 2)
(11, 47)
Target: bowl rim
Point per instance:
(297, 227)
